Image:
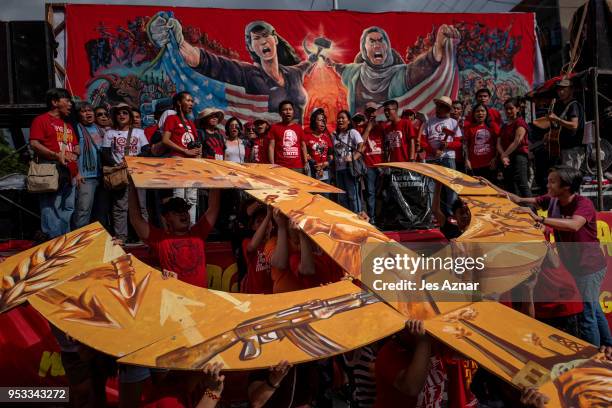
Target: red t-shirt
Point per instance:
(258, 278)
(288, 145)
(49, 131)
(149, 131)
(393, 358)
(481, 143)
(556, 283)
(259, 151)
(179, 135)
(372, 154)
(580, 251)
(507, 136)
(397, 139)
(183, 254)
(494, 117)
(317, 146)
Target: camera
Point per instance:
(194, 144)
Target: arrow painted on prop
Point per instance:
(174, 306)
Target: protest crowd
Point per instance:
(409, 369)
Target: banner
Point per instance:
(247, 61)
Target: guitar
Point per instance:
(551, 138)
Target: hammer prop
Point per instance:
(321, 43)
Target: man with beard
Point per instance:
(379, 73)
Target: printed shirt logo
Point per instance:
(290, 148)
(482, 145)
(394, 139)
(187, 137)
(59, 134)
(375, 148)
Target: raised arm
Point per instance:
(260, 234)
(307, 265)
(410, 380)
(214, 204)
(280, 256)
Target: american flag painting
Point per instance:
(207, 92)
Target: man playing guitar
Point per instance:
(566, 122)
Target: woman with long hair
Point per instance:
(120, 141)
(347, 146)
(513, 149)
(318, 145)
(480, 141)
(181, 137)
(235, 146)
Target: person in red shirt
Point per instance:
(287, 147)
(259, 146)
(257, 278)
(481, 145)
(574, 222)
(557, 299)
(180, 134)
(483, 96)
(181, 138)
(513, 149)
(53, 140)
(399, 135)
(291, 257)
(181, 247)
(318, 144)
(213, 142)
(372, 155)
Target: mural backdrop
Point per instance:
(247, 61)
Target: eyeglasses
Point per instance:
(100, 114)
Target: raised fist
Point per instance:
(160, 28)
(445, 32)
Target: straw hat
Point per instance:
(444, 100)
(209, 112)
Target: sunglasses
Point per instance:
(100, 114)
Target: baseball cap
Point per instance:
(175, 204)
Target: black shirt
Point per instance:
(570, 138)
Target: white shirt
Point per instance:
(234, 151)
(434, 131)
(116, 140)
(345, 143)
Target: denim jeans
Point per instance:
(448, 196)
(371, 179)
(516, 175)
(593, 324)
(85, 195)
(348, 183)
(120, 203)
(56, 210)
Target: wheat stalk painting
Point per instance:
(35, 272)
